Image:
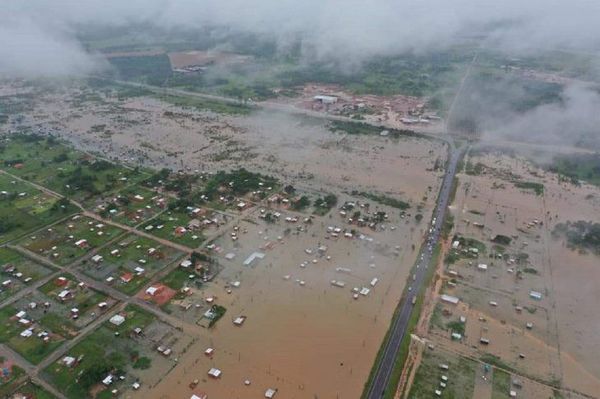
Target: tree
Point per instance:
(142, 363)
(331, 200)
(301, 203)
(61, 205)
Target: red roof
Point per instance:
(127, 277)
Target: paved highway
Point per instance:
(400, 324)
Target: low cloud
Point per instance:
(37, 36)
(29, 50)
(573, 121)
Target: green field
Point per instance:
(33, 348)
(59, 243)
(99, 359)
(83, 298)
(24, 269)
(577, 167)
(24, 208)
(153, 69)
(132, 206)
(500, 385)
(8, 383)
(461, 375)
(28, 390)
(122, 258)
(165, 225)
(74, 174)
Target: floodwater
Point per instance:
(308, 341)
(564, 341)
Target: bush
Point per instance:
(142, 363)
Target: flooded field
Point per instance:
(317, 305)
(524, 296)
(148, 131)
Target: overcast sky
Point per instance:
(38, 36)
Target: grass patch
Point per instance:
(203, 104)
(33, 349)
(361, 128)
(582, 235)
(538, 188)
(461, 377)
(383, 199)
(574, 168)
(218, 311)
(495, 361)
(500, 385)
(474, 169)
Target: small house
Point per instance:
(117, 320)
(153, 290)
(214, 373)
(126, 277)
(81, 243)
(64, 295)
(68, 361)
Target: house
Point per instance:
(108, 380)
(127, 277)
(535, 295)
(186, 263)
(180, 230)
(61, 281)
(214, 373)
(81, 243)
(161, 203)
(198, 211)
(138, 198)
(270, 393)
(68, 361)
(482, 266)
(26, 333)
(97, 258)
(325, 99)
(449, 299)
(154, 290)
(117, 320)
(252, 257)
(64, 295)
